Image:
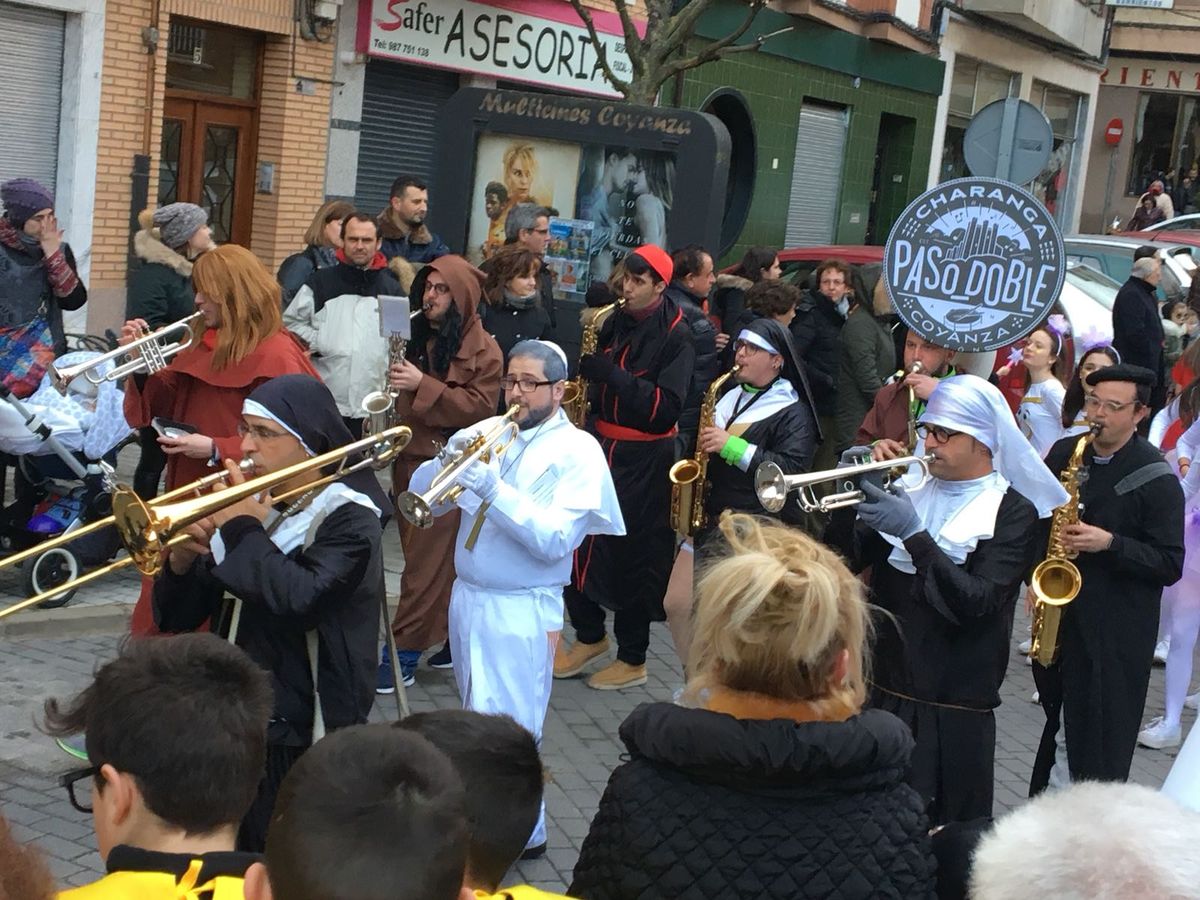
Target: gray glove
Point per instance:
(889, 513)
(854, 456)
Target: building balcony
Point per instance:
(1072, 23)
(902, 23)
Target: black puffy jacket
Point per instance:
(704, 339)
(714, 806)
(817, 331)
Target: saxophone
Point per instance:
(379, 407)
(575, 396)
(1056, 580)
(689, 476)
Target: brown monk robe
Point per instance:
(460, 365)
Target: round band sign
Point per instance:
(974, 264)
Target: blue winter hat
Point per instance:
(23, 199)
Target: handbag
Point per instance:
(26, 351)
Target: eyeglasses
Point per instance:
(439, 287)
(942, 434)
(70, 779)
(746, 347)
(1093, 402)
(524, 385)
(259, 433)
(541, 231)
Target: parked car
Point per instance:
(1188, 222)
(1112, 254)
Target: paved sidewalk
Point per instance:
(580, 747)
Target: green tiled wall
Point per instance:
(775, 89)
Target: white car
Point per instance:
(1187, 222)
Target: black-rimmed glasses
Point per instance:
(942, 434)
(524, 385)
(70, 779)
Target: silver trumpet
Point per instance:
(772, 486)
(149, 353)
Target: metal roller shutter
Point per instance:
(31, 56)
(400, 110)
(816, 176)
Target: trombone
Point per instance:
(146, 354)
(772, 486)
(148, 528)
(418, 508)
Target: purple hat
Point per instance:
(23, 199)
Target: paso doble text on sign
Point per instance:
(974, 264)
(473, 37)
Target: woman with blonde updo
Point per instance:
(772, 781)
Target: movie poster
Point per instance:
(627, 195)
(510, 169)
(568, 256)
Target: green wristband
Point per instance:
(734, 448)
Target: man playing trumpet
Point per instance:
(308, 578)
(524, 512)
(948, 559)
(885, 427)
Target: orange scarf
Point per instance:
(751, 705)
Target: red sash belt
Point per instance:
(621, 433)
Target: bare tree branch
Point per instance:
(713, 53)
(601, 52)
(683, 23)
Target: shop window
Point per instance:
(209, 59)
(1166, 133)
(1054, 184)
(973, 86)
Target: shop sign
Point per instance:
(1152, 75)
(974, 264)
(1144, 4)
(540, 42)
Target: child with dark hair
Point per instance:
(498, 762)
(369, 813)
(176, 736)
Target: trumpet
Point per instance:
(418, 508)
(152, 355)
(772, 486)
(148, 528)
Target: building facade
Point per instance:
(224, 105)
(1150, 94)
(1045, 53)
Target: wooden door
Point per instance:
(207, 158)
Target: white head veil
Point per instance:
(971, 405)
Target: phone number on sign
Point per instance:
(402, 48)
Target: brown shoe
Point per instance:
(616, 676)
(568, 663)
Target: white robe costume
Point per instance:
(506, 606)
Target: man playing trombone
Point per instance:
(885, 426)
(307, 578)
(948, 558)
(524, 512)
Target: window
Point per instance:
(1166, 134)
(973, 86)
(212, 60)
(1054, 184)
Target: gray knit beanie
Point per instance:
(177, 222)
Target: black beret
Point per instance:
(1124, 372)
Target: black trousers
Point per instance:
(252, 834)
(1050, 696)
(150, 465)
(631, 626)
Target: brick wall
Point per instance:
(292, 132)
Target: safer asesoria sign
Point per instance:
(537, 41)
(974, 264)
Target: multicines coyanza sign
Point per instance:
(538, 41)
(974, 264)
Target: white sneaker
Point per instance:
(1161, 649)
(1158, 735)
(1036, 698)
(1025, 646)
(1193, 701)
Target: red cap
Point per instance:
(658, 259)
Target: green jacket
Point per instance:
(160, 289)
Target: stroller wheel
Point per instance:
(52, 568)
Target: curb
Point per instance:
(69, 622)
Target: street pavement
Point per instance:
(53, 653)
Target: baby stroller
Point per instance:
(62, 449)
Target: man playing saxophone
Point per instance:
(947, 562)
(1129, 541)
(766, 414)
